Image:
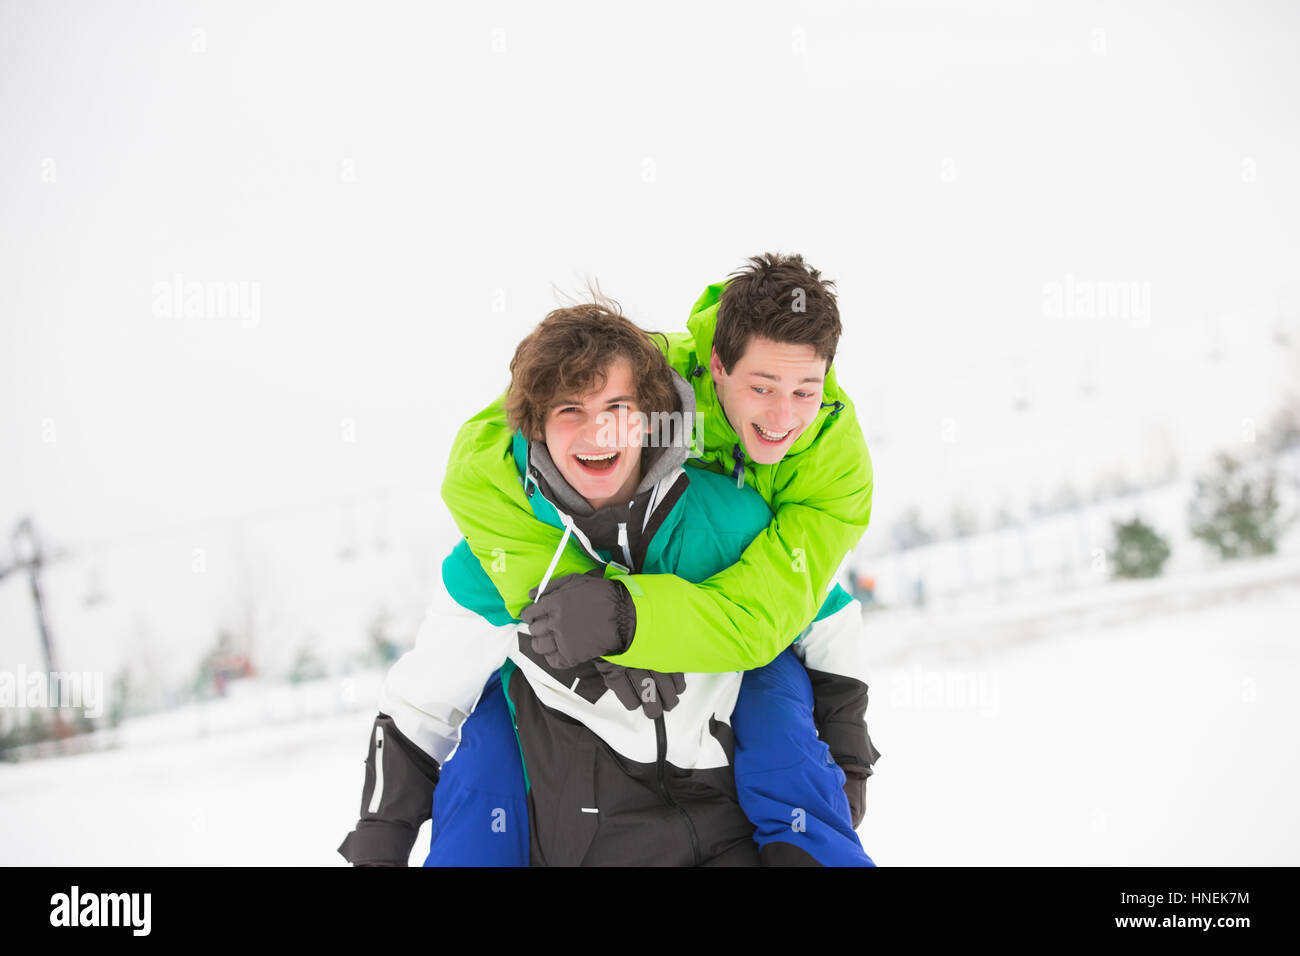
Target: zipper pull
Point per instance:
(622, 543)
(739, 471)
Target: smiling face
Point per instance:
(773, 393)
(595, 439)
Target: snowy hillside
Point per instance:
(1153, 741)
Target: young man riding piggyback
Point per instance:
(692, 579)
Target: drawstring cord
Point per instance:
(568, 527)
(555, 558)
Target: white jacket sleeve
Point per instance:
(833, 652)
(435, 686)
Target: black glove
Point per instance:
(855, 788)
(652, 691)
(580, 617)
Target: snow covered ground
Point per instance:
(1165, 740)
(1168, 741)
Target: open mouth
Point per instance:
(596, 464)
(771, 438)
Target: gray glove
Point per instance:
(580, 617)
(652, 691)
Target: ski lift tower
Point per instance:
(30, 556)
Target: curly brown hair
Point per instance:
(781, 298)
(569, 354)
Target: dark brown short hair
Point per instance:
(569, 354)
(780, 298)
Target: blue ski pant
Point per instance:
(786, 780)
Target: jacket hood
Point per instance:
(704, 320)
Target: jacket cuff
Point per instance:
(378, 841)
(396, 798)
(625, 616)
(850, 745)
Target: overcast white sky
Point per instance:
(396, 186)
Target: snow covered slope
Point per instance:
(1165, 741)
